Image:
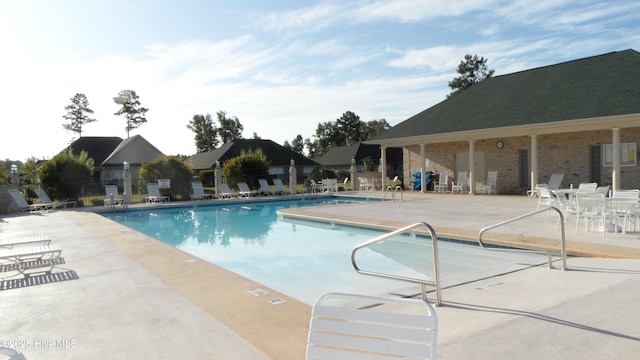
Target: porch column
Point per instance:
(423, 180)
(293, 178)
(615, 173)
(383, 165)
(472, 168)
(534, 161)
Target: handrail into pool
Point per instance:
(563, 245)
(393, 193)
(422, 282)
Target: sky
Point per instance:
(280, 67)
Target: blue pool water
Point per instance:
(305, 259)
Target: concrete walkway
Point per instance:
(139, 298)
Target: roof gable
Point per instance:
(342, 155)
(98, 148)
(276, 154)
(592, 87)
(134, 150)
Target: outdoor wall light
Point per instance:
(500, 144)
(126, 166)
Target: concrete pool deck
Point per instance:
(139, 298)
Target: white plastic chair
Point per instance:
(347, 326)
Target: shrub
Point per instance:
(172, 168)
(248, 167)
(61, 176)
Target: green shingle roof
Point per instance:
(592, 87)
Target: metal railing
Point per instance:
(563, 246)
(422, 282)
(394, 190)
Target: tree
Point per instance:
(77, 114)
(472, 70)
(206, 134)
(65, 174)
(230, 128)
(169, 167)
(346, 130)
(4, 177)
(349, 127)
(29, 172)
(131, 109)
(248, 167)
(297, 144)
(375, 127)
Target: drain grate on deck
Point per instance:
(38, 280)
(31, 264)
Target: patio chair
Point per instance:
(346, 326)
(153, 194)
(44, 199)
(315, 187)
(23, 205)
(342, 185)
(113, 197)
(546, 197)
(365, 184)
(280, 190)
(245, 191)
(555, 181)
(442, 185)
(393, 184)
(625, 206)
(592, 207)
(224, 192)
(461, 184)
(265, 188)
(198, 192)
(490, 187)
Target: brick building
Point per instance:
(580, 118)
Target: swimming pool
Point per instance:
(307, 259)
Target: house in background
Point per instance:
(278, 156)
(110, 153)
(580, 118)
(339, 158)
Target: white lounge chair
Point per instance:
(224, 192)
(280, 190)
(343, 185)
(113, 197)
(490, 187)
(41, 240)
(44, 199)
(345, 326)
(461, 184)
(265, 189)
(24, 205)
(31, 258)
(555, 181)
(442, 185)
(198, 192)
(153, 194)
(245, 191)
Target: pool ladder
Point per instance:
(394, 190)
(563, 245)
(423, 282)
